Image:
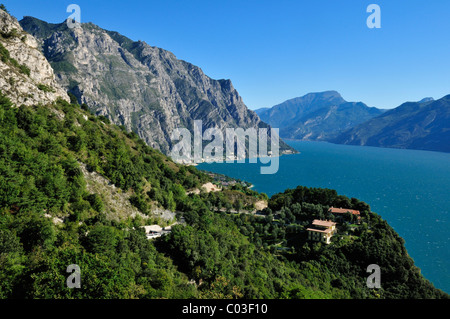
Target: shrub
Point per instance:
(24, 69)
(2, 7)
(45, 88)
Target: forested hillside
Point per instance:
(214, 254)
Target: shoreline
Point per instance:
(224, 160)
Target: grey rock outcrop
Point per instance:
(26, 76)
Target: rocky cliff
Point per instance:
(144, 88)
(26, 76)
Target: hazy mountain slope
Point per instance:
(261, 110)
(317, 116)
(288, 112)
(414, 125)
(330, 121)
(27, 77)
(144, 88)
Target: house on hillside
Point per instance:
(321, 231)
(153, 231)
(339, 212)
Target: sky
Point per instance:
(277, 50)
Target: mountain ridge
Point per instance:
(145, 88)
(317, 116)
(423, 125)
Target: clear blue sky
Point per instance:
(277, 50)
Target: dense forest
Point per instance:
(213, 253)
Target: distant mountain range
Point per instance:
(144, 88)
(326, 116)
(423, 125)
(317, 116)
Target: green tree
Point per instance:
(96, 202)
(2, 7)
(238, 205)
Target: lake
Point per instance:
(408, 188)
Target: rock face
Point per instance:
(317, 116)
(423, 125)
(26, 77)
(144, 88)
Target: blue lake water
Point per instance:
(408, 188)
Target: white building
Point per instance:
(321, 231)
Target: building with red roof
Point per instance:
(341, 211)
